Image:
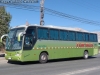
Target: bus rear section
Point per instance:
(99, 47)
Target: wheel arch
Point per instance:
(86, 50)
(44, 52)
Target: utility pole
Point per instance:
(41, 12)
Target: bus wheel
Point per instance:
(86, 54)
(43, 57)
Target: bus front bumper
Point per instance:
(13, 57)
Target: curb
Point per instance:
(2, 54)
(2, 58)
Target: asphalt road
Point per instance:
(77, 66)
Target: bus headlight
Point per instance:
(5, 54)
(17, 55)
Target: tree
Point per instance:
(5, 19)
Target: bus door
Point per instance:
(30, 38)
(28, 44)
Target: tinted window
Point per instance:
(95, 38)
(43, 33)
(53, 34)
(30, 31)
(71, 36)
(79, 36)
(91, 37)
(30, 39)
(86, 37)
(63, 35)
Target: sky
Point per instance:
(87, 9)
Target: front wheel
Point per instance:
(86, 54)
(43, 58)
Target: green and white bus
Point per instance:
(43, 43)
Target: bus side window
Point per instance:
(30, 31)
(54, 34)
(43, 33)
(71, 36)
(95, 38)
(86, 36)
(63, 35)
(28, 41)
(91, 37)
(79, 36)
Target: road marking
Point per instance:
(80, 71)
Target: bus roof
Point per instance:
(54, 27)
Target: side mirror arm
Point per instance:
(19, 35)
(3, 37)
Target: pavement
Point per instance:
(2, 54)
(2, 58)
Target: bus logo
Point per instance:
(84, 45)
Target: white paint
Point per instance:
(52, 26)
(80, 71)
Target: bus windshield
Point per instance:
(12, 43)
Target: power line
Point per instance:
(34, 9)
(82, 20)
(86, 5)
(73, 17)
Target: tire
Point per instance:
(86, 55)
(43, 58)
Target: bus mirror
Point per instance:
(19, 36)
(3, 37)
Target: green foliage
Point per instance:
(5, 19)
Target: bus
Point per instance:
(43, 43)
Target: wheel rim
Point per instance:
(43, 57)
(86, 55)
